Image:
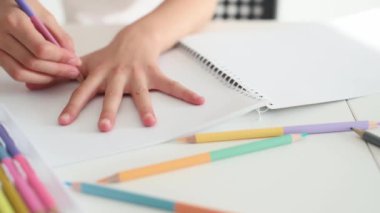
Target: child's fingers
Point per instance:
(18, 73)
(80, 97)
(177, 90)
(24, 57)
(141, 98)
(23, 30)
(111, 103)
(62, 37)
(54, 69)
(42, 86)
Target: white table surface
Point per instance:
(324, 173)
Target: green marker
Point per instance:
(255, 146)
(202, 158)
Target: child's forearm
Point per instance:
(174, 19)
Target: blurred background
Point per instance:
(286, 10)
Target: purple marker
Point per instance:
(33, 180)
(37, 22)
(10, 145)
(26, 192)
(277, 131)
(330, 127)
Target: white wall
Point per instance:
(288, 10)
(55, 6)
(308, 10)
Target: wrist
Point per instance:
(156, 31)
(146, 33)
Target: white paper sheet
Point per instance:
(37, 111)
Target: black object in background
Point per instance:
(246, 9)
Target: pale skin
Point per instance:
(129, 64)
(26, 55)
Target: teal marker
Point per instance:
(123, 196)
(138, 199)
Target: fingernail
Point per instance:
(64, 119)
(79, 61)
(80, 77)
(75, 61)
(105, 125)
(199, 100)
(74, 73)
(149, 119)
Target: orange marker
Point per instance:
(201, 158)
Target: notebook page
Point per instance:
(36, 112)
(294, 64)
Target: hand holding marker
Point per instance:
(43, 30)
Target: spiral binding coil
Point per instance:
(227, 78)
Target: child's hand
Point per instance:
(128, 65)
(26, 55)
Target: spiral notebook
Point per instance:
(237, 72)
(291, 64)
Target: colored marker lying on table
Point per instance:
(277, 131)
(202, 158)
(139, 199)
(11, 193)
(32, 178)
(5, 206)
(368, 137)
(26, 192)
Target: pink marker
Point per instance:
(40, 26)
(28, 195)
(37, 22)
(31, 176)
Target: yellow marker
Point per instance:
(277, 131)
(234, 135)
(5, 206)
(12, 194)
